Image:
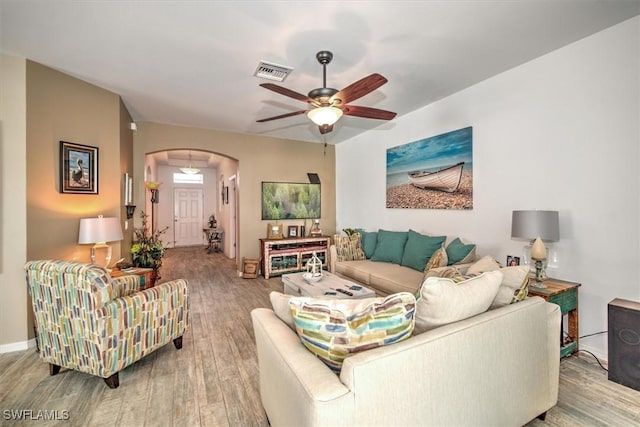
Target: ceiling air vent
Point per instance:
(269, 71)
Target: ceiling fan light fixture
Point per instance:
(325, 115)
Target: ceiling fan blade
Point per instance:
(359, 89)
(368, 112)
(287, 92)
(282, 116)
(325, 129)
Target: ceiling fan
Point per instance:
(327, 105)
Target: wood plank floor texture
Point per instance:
(213, 380)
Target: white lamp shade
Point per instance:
(528, 225)
(325, 115)
(100, 229)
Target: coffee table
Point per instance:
(331, 286)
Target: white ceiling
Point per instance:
(191, 63)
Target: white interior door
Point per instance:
(188, 219)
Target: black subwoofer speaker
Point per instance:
(624, 342)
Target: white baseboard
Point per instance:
(17, 346)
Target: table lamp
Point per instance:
(99, 231)
(537, 226)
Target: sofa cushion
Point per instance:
(280, 305)
(449, 271)
(437, 260)
(459, 253)
(338, 328)
(442, 301)
(419, 248)
(390, 246)
(486, 263)
(356, 270)
(391, 278)
(514, 286)
(368, 239)
(348, 248)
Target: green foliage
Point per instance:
(349, 231)
(147, 250)
(290, 201)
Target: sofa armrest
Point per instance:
(333, 256)
(554, 324)
(296, 388)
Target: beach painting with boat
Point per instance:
(432, 173)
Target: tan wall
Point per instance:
(126, 166)
(13, 225)
(259, 159)
(63, 108)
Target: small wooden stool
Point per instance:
(249, 268)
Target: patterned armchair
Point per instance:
(89, 322)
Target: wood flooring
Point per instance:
(213, 380)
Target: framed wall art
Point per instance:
(290, 200)
(78, 168)
(432, 173)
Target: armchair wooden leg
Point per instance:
(53, 369)
(542, 416)
(178, 343)
(113, 381)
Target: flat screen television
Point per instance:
(290, 200)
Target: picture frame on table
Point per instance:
(274, 231)
(513, 261)
(78, 168)
(292, 231)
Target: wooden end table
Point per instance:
(565, 294)
(145, 274)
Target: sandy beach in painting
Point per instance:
(410, 197)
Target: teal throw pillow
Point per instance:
(458, 252)
(390, 246)
(368, 240)
(419, 249)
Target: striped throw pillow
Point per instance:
(334, 329)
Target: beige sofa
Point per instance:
(499, 368)
(384, 278)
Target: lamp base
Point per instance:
(101, 254)
(540, 275)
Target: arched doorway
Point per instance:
(186, 201)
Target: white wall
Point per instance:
(559, 133)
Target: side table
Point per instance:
(146, 275)
(565, 294)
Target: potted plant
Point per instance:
(147, 250)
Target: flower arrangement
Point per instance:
(147, 250)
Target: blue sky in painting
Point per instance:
(429, 154)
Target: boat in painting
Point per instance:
(446, 179)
